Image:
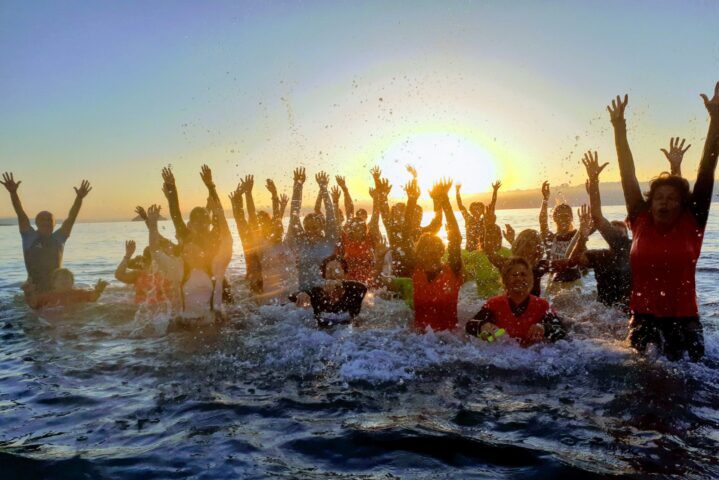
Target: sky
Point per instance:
(475, 91)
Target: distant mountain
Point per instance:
(139, 219)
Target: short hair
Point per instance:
(524, 237)
(58, 272)
(428, 240)
(511, 263)
(667, 179)
(333, 258)
(559, 209)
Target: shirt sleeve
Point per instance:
(474, 326)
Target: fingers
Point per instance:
(683, 152)
(705, 98)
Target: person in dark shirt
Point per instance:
(340, 298)
(523, 316)
(611, 265)
(558, 244)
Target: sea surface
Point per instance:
(95, 393)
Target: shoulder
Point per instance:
(539, 302)
(357, 287)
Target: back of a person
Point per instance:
(557, 250)
(359, 255)
(613, 274)
(43, 255)
(309, 259)
(197, 293)
(279, 273)
(664, 266)
(152, 288)
(435, 301)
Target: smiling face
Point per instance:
(429, 252)
(563, 216)
(199, 220)
(666, 206)
(314, 225)
(45, 223)
(517, 280)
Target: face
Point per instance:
(621, 229)
(666, 205)
(62, 282)
(334, 271)
(313, 226)
(361, 215)
(356, 230)
(45, 223)
(199, 220)
(518, 280)
(429, 254)
(563, 219)
(476, 209)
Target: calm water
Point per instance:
(87, 396)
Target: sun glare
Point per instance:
(436, 155)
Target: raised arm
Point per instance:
(349, 204)
(11, 185)
(318, 203)
(335, 194)
(238, 211)
(295, 226)
(170, 190)
(440, 192)
(495, 188)
(577, 254)
(80, 193)
(284, 200)
(675, 155)
(405, 238)
(379, 198)
(121, 272)
(704, 185)
(391, 228)
(270, 185)
(247, 184)
(460, 206)
(436, 223)
(591, 163)
(543, 216)
(331, 223)
(632, 193)
(492, 243)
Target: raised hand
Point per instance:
(545, 191)
(9, 182)
(299, 175)
(341, 182)
(383, 186)
(591, 163)
(509, 234)
(585, 220)
(129, 248)
(412, 171)
(153, 213)
(322, 179)
(676, 152)
(100, 286)
(335, 194)
(246, 184)
(713, 104)
(141, 212)
(376, 173)
(441, 188)
(457, 188)
(235, 196)
(284, 200)
(270, 185)
(373, 192)
(83, 190)
(496, 185)
(206, 176)
(412, 189)
(167, 176)
(616, 110)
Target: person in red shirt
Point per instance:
(436, 284)
(523, 316)
(668, 230)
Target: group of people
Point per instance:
(328, 260)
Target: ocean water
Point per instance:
(92, 393)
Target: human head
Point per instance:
(314, 225)
(62, 280)
(476, 209)
(429, 251)
(563, 216)
(334, 267)
(668, 196)
(492, 235)
(45, 222)
(356, 229)
(199, 220)
(517, 277)
(620, 227)
(528, 245)
(361, 215)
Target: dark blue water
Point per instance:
(92, 394)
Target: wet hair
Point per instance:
(511, 263)
(333, 258)
(524, 237)
(667, 179)
(59, 272)
(562, 208)
(311, 216)
(429, 241)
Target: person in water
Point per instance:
(667, 234)
(249, 237)
(560, 243)
(525, 317)
(151, 286)
(474, 218)
(313, 239)
(611, 265)
(62, 292)
(435, 284)
(336, 296)
(43, 247)
(198, 231)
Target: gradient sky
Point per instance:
(112, 91)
